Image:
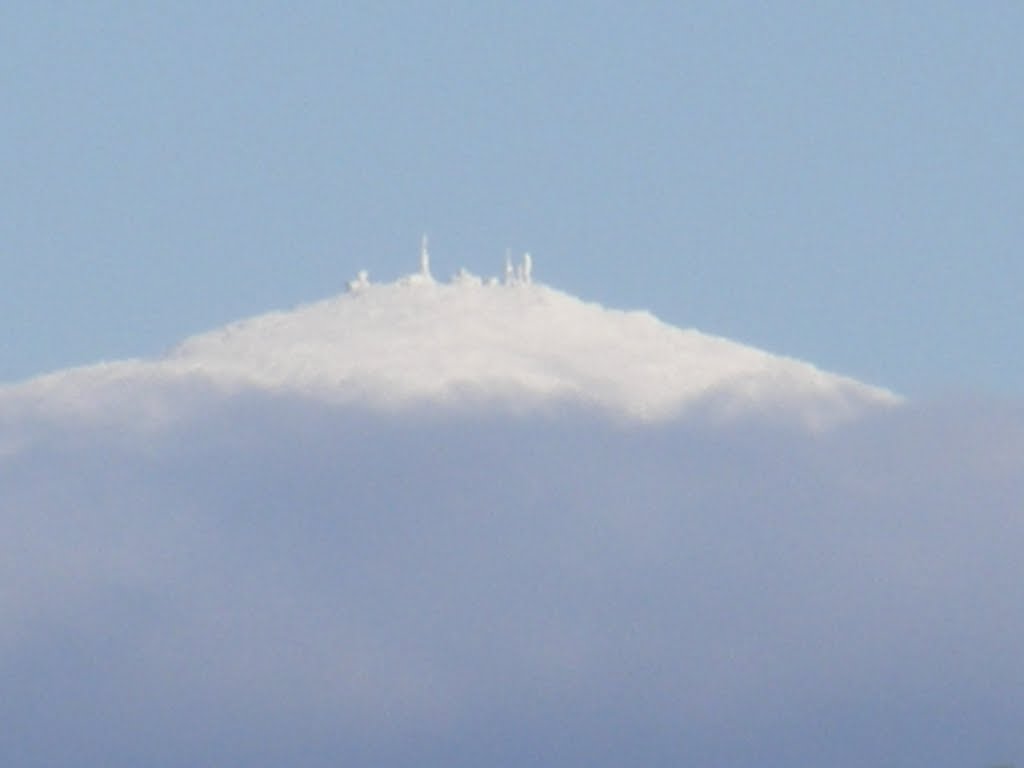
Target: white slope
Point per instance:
(518, 343)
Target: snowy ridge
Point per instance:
(417, 340)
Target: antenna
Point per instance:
(527, 268)
(424, 258)
(510, 276)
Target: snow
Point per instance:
(418, 341)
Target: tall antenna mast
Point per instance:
(424, 258)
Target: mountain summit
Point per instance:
(513, 341)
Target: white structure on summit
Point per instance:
(362, 280)
(520, 273)
(424, 258)
(515, 274)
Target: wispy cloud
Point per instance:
(279, 582)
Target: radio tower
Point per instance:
(424, 258)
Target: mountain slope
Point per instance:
(518, 343)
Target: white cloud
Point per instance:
(276, 582)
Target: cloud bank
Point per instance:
(274, 581)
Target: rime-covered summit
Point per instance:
(418, 341)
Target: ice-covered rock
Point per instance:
(416, 341)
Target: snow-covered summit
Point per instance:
(418, 340)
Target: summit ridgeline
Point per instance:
(467, 343)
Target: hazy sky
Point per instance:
(842, 182)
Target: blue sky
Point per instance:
(841, 182)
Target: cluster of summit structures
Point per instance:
(515, 274)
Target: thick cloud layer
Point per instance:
(277, 583)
